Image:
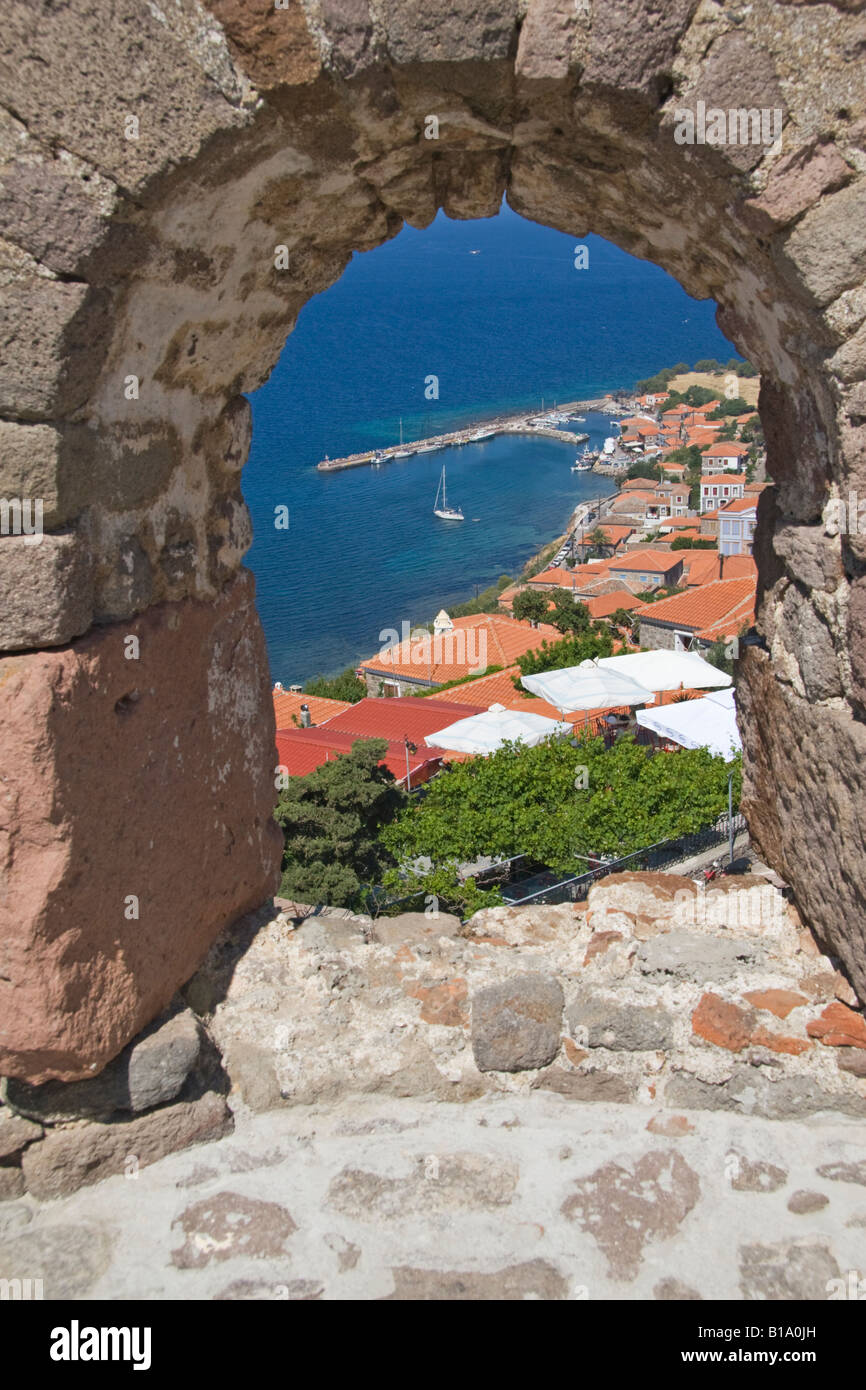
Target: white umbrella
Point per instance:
(484, 733)
(710, 722)
(587, 686)
(666, 670)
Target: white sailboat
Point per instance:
(445, 513)
(402, 453)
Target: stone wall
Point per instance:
(144, 290)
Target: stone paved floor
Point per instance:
(526, 1196)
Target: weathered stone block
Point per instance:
(136, 821)
(412, 927)
(442, 31)
(697, 957)
(67, 1159)
(516, 1025)
(48, 587)
(150, 1070)
(15, 1134)
(53, 337)
(621, 1027)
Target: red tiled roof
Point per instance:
(613, 534)
(646, 562)
(700, 567)
(485, 639)
(725, 448)
(559, 574)
(604, 604)
(739, 504)
(287, 707)
(724, 604)
(712, 479)
(397, 718)
(303, 750)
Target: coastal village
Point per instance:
(662, 564)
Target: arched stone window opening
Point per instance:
(143, 295)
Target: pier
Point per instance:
(473, 434)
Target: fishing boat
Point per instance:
(583, 462)
(445, 513)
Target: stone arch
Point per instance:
(152, 161)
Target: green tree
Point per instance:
(693, 543)
(331, 820)
(736, 406)
(650, 471)
(597, 539)
(530, 605)
(533, 801)
(346, 686)
(554, 656)
(568, 614)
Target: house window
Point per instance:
(683, 641)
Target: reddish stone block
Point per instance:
(722, 1023)
(443, 1004)
(135, 823)
(776, 1001)
(777, 1042)
(839, 1026)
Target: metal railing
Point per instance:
(574, 888)
(655, 858)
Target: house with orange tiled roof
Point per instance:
(699, 617)
(614, 537)
(725, 456)
(456, 648)
(720, 488)
(651, 569)
(292, 707)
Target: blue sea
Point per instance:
(497, 311)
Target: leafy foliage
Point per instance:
(331, 819)
(347, 686)
(553, 656)
(736, 406)
(692, 543)
(568, 614)
(524, 801)
(650, 471)
(530, 605)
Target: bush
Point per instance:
(347, 686)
